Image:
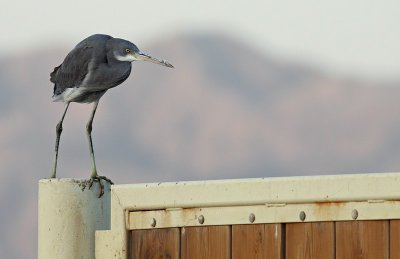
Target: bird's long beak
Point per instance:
(145, 57)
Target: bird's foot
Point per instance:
(98, 178)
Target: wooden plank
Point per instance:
(310, 240)
(362, 239)
(257, 241)
(394, 239)
(155, 244)
(275, 241)
(211, 242)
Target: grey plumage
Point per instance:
(92, 65)
(96, 64)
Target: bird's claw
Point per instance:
(98, 179)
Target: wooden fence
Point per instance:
(343, 216)
(325, 240)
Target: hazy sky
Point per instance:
(350, 36)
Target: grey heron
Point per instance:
(95, 65)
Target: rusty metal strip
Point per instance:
(309, 212)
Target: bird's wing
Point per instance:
(75, 67)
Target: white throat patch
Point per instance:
(129, 58)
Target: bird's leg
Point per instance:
(94, 176)
(89, 135)
(58, 132)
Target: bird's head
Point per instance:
(126, 51)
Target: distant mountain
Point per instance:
(225, 111)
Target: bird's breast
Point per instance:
(107, 76)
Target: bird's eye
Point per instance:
(127, 50)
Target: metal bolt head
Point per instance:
(201, 219)
(354, 214)
(302, 215)
(153, 222)
(252, 217)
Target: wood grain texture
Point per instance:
(155, 244)
(257, 241)
(395, 239)
(310, 240)
(211, 242)
(362, 239)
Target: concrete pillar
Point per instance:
(69, 215)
